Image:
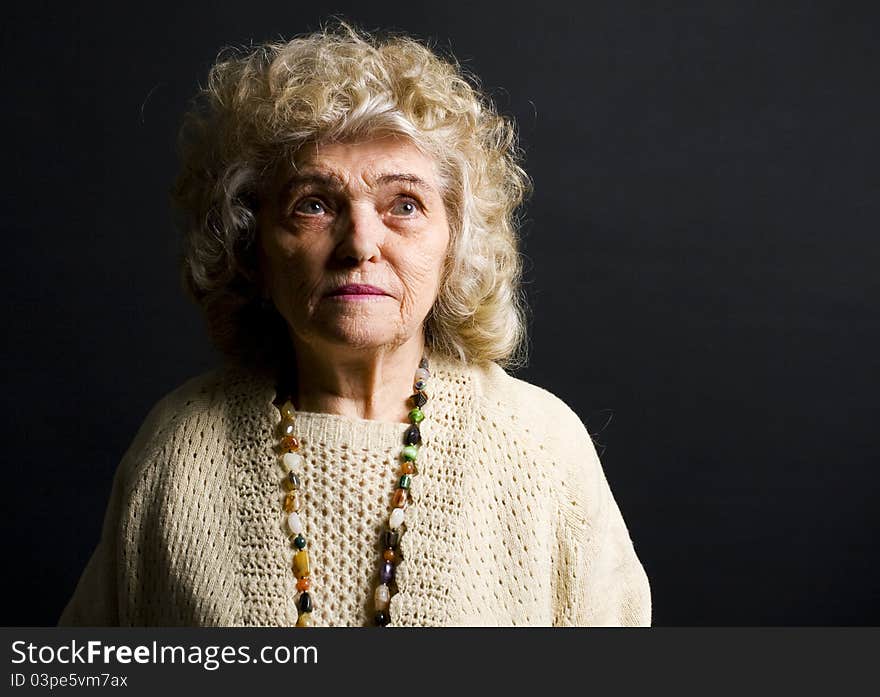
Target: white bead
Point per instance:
(295, 524)
(382, 597)
(292, 461)
(422, 373)
(396, 519)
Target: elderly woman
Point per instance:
(362, 457)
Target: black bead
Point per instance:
(293, 479)
(423, 363)
(412, 436)
(392, 537)
(381, 619)
(419, 399)
(305, 602)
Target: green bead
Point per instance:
(410, 452)
(405, 479)
(299, 542)
(416, 415)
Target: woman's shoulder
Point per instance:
(204, 392)
(175, 420)
(532, 411)
(521, 400)
(193, 395)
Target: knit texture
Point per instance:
(510, 521)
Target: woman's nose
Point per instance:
(363, 233)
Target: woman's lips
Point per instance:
(356, 291)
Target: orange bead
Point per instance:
(303, 584)
(399, 499)
(290, 443)
(388, 555)
(407, 467)
(291, 503)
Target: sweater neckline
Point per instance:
(353, 432)
(318, 417)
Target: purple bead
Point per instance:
(387, 572)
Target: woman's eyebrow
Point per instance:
(335, 183)
(412, 179)
(326, 179)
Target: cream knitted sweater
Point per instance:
(510, 521)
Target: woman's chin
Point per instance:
(359, 335)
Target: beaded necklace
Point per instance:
(292, 462)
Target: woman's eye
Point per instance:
(310, 206)
(405, 207)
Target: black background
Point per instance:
(701, 266)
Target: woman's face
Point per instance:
(353, 243)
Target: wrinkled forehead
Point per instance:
(366, 156)
(354, 162)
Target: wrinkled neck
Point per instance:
(363, 384)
